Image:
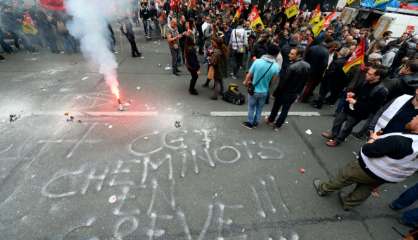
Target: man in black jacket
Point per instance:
(127, 29)
(145, 14)
(364, 98)
(317, 56)
(405, 82)
(334, 81)
(289, 87)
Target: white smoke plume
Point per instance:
(89, 25)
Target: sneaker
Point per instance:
(247, 125)
(327, 135)
(214, 98)
(255, 125)
(193, 92)
(317, 187)
(332, 143)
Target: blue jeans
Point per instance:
(406, 199)
(255, 107)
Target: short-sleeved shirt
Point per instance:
(258, 68)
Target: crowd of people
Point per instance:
(284, 59)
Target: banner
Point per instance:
(54, 5)
(357, 57)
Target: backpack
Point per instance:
(233, 95)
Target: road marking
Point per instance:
(244, 114)
(77, 144)
(95, 114)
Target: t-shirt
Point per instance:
(258, 68)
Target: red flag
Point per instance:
(54, 5)
(329, 19)
(357, 57)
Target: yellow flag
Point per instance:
(317, 27)
(292, 11)
(378, 2)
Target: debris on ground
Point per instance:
(308, 131)
(13, 117)
(112, 199)
(84, 78)
(302, 170)
(110, 126)
(177, 124)
(138, 88)
(70, 119)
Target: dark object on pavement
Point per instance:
(233, 95)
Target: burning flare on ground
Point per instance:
(113, 83)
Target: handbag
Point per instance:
(211, 73)
(251, 86)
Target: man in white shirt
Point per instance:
(239, 44)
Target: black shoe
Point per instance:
(247, 125)
(176, 73)
(316, 105)
(391, 206)
(214, 98)
(1, 58)
(255, 125)
(193, 92)
(205, 85)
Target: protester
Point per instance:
(388, 158)
(127, 29)
(361, 100)
(290, 86)
(173, 38)
(261, 73)
(192, 62)
(239, 44)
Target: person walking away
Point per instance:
(261, 73)
(192, 62)
(173, 37)
(389, 158)
(290, 86)
(216, 59)
(127, 30)
(238, 44)
(365, 98)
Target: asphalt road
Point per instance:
(172, 166)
